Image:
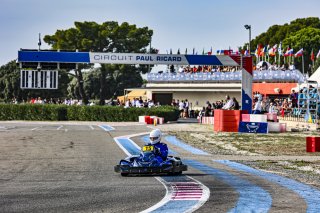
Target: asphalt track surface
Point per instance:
(60, 167)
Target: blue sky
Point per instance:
(176, 23)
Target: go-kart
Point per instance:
(149, 163)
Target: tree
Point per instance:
(277, 33)
(308, 39)
(107, 37)
(9, 81)
(10, 85)
(300, 33)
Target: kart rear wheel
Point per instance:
(124, 174)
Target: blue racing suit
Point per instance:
(158, 156)
(161, 150)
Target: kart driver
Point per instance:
(161, 149)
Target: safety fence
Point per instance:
(263, 75)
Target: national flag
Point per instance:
(246, 52)
(265, 50)
(289, 52)
(256, 52)
(210, 53)
(318, 55)
(299, 53)
(260, 51)
(271, 52)
(275, 47)
(312, 55)
(227, 52)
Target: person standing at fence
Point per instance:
(257, 106)
(186, 109)
(202, 114)
(181, 108)
(235, 105)
(229, 103)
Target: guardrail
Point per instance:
(264, 75)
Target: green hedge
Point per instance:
(48, 112)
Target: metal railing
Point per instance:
(264, 75)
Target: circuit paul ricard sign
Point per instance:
(135, 58)
(124, 58)
(37, 80)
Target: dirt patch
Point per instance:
(281, 146)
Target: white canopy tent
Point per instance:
(315, 76)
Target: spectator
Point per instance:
(292, 67)
(201, 114)
(127, 104)
(208, 109)
(150, 104)
(235, 105)
(137, 103)
(294, 98)
(173, 103)
(229, 103)
(257, 106)
(181, 108)
(186, 109)
(272, 108)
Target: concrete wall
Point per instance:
(199, 99)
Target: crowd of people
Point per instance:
(205, 69)
(208, 110)
(39, 100)
(135, 102)
(138, 102)
(211, 69)
(280, 105)
(275, 66)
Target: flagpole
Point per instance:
(302, 64)
(39, 42)
(312, 65)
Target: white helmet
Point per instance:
(155, 136)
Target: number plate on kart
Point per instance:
(147, 148)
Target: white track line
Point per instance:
(59, 127)
(164, 200)
(38, 127)
(122, 147)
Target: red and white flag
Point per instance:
(312, 56)
(318, 55)
(299, 53)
